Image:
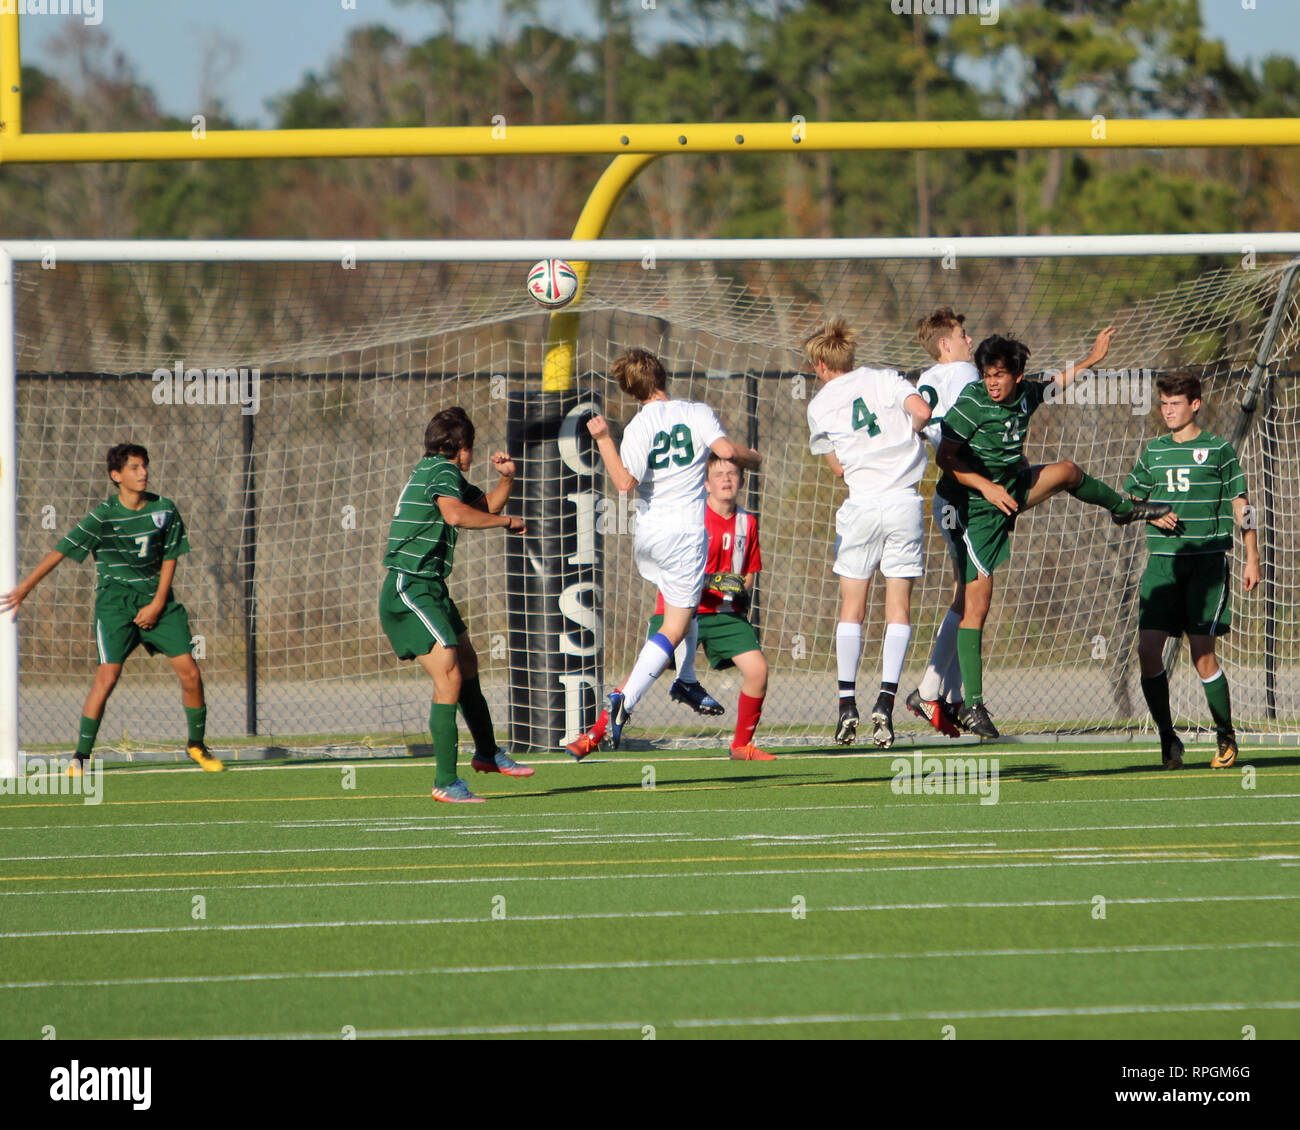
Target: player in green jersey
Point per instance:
(416, 611)
(989, 481)
(136, 538)
(1185, 586)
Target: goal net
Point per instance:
(284, 403)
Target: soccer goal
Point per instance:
(282, 390)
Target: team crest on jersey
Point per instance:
(159, 518)
(1201, 454)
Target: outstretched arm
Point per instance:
(598, 426)
(736, 453)
(1096, 356)
(13, 599)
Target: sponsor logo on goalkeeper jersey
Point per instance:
(946, 776)
(41, 776)
(1102, 387)
(90, 11)
(76, 1083)
(230, 386)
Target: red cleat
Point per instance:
(750, 752)
(937, 713)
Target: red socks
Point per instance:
(748, 711)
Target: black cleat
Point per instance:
(882, 724)
(846, 732)
(1171, 751)
(696, 697)
(975, 718)
(1141, 512)
(1226, 758)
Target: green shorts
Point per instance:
(724, 635)
(416, 613)
(983, 533)
(1185, 594)
(117, 634)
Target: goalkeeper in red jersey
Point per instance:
(728, 638)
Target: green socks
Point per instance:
(1216, 694)
(1096, 493)
(1156, 691)
(477, 717)
(442, 728)
(86, 738)
(972, 669)
(196, 721)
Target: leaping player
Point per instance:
(728, 637)
(663, 457)
(867, 424)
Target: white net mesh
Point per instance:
(294, 501)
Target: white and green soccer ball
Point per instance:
(552, 283)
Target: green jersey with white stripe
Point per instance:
(991, 434)
(129, 545)
(1199, 478)
(420, 542)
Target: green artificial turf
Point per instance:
(798, 898)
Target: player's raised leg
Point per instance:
(893, 653)
(1155, 689)
(687, 687)
(848, 651)
(650, 664)
(1052, 478)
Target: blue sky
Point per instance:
(273, 43)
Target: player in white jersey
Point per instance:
(663, 456)
(939, 697)
(867, 424)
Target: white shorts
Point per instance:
(950, 528)
(884, 532)
(672, 560)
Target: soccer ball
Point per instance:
(552, 283)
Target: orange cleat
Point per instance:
(750, 752)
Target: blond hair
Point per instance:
(832, 345)
(936, 325)
(639, 373)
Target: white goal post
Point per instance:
(358, 343)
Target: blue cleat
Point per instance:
(696, 697)
(617, 717)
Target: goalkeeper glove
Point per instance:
(731, 585)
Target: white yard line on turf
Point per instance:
(752, 839)
(666, 963)
(600, 915)
(637, 1026)
(874, 869)
(443, 819)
